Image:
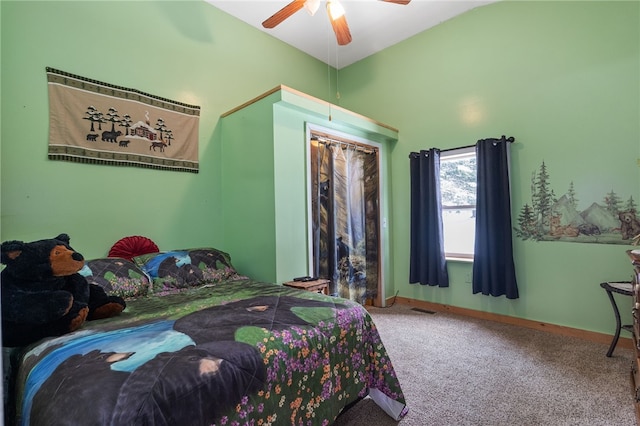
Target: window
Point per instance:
(458, 189)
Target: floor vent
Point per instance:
(424, 311)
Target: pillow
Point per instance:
(186, 268)
(117, 276)
(130, 247)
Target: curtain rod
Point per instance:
(356, 146)
(509, 139)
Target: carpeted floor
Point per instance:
(460, 371)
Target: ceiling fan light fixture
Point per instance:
(312, 6)
(335, 9)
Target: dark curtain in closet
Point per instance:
(493, 267)
(428, 265)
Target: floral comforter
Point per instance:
(233, 353)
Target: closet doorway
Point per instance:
(344, 177)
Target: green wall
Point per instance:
(188, 51)
(247, 203)
(563, 79)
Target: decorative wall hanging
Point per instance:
(612, 219)
(100, 123)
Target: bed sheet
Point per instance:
(234, 353)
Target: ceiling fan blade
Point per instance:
(338, 22)
(283, 13)
(398, 1)
(341, 28)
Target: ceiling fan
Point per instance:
(334, 10)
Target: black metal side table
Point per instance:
(625, 288)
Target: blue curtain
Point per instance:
(493, 268)
(428, 265)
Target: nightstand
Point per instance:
(318, 286)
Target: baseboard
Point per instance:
(623, 342)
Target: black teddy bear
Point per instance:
(44, 295)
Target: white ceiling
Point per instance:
(374, 25)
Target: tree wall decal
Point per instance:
(551, 218)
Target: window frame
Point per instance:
(452, 155)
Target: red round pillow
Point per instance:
(130, 247)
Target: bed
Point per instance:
(199, 344)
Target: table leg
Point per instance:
(616, 312)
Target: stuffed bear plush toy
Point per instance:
(44, 295)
